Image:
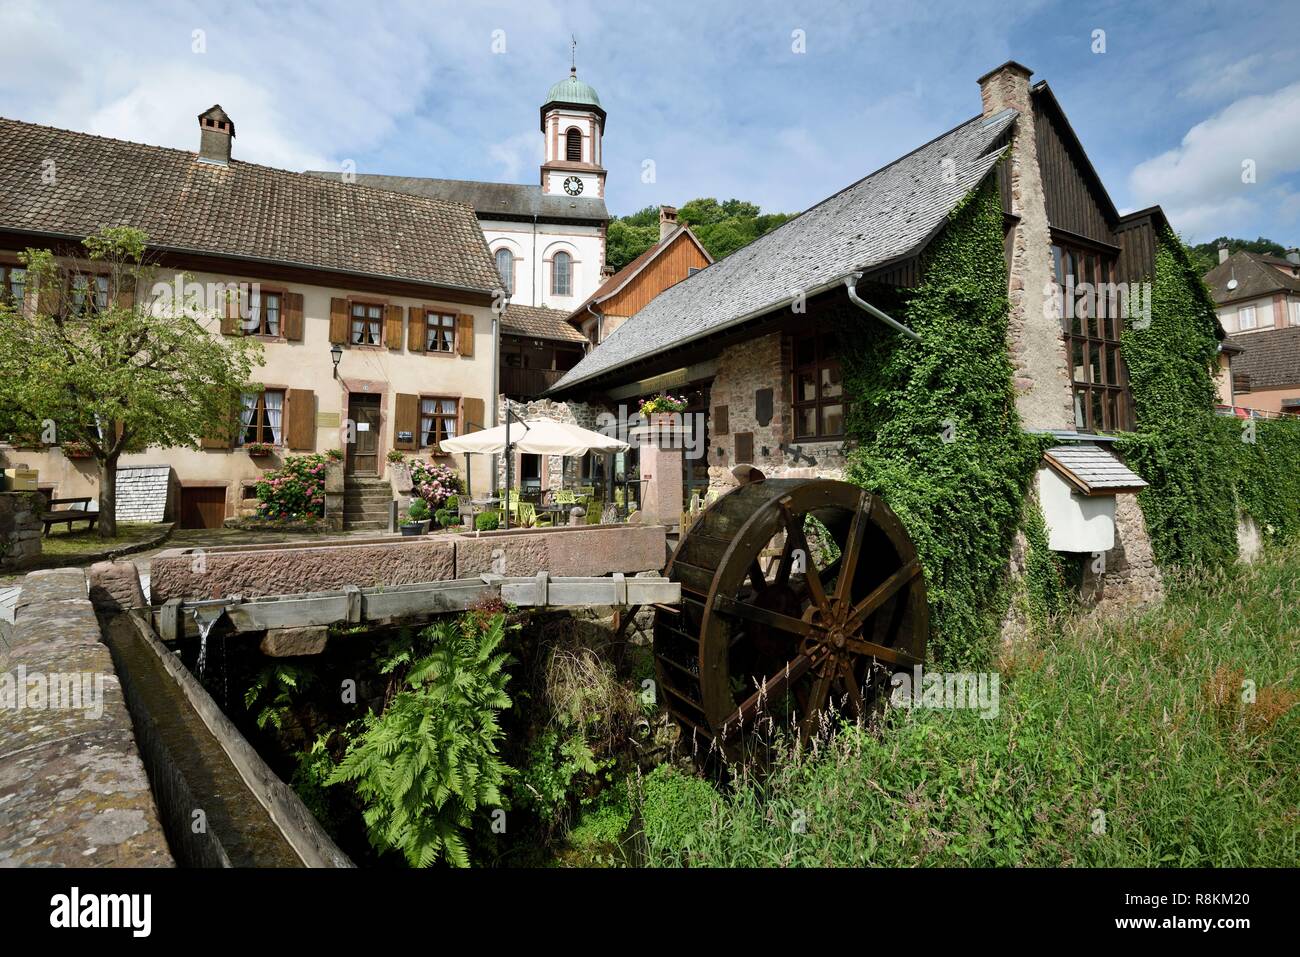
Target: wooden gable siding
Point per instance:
(1071, 202)
(1137, 243)
(668, 268)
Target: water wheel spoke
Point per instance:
(763, 616)
(852, 549)
(794, 530)
(772, 688)
(757, 577)
(869, 649)
(850, 683)
(881, 594)
(785, 564)
(821, 691)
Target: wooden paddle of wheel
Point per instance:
(798, 596)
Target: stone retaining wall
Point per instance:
(20, 529)
(286, 569)
(73, 790)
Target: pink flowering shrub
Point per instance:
(295, 491)
(434, 483)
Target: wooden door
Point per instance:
(203, 506)
(363, 454)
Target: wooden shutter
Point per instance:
(744, 448)
(291, 318)
(721, 420)
(339, 321)
(230, 316)
(393, 326)
(465, 335)
(415, 331)
(222, 438)
(406, 418)
(300, 420)
(125, 294)
(471, 415)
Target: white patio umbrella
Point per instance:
(535, 436)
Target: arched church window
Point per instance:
(506, 267)
(573, 146)
(561, 274)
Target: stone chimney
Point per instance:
(667, 221)
(1006, 87)
(1223, 252)
(216, 130)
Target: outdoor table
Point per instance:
(556, 512)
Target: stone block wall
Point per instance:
(743, 370)
(557, 471)
(1129, 576)
(20, 529)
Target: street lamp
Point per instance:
(336, 353)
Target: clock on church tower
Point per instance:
(573, 124)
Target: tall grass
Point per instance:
(1121, 741)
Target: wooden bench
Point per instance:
(67, 516)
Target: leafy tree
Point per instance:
(723, 227)
(430, 761)
(140, 370)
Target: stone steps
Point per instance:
(365, 504)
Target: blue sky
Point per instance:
(712, 92)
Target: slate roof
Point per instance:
(1093, 470)
(1268, 360)
(490, 200)
(240, 210)
(625, 275)
(541, 323)
(889, 214)
(1255, 277)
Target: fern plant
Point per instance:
(429, 761)
(274, 688)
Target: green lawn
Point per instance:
(61, 543)
(1121, 742)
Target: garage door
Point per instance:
(203, 506)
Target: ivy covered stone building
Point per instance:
(835, 345)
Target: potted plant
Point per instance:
(259, 450)
(417, 518)
(661, 408)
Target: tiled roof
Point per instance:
(1268, 360)
(490, 200)
(241, 210)
(1255, 277)
(1093, 470)
(540, 322)
(887, 215)
(625, 275)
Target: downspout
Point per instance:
(599, 317)
(851, 283)
(496, 385)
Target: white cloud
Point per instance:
(1199, 182)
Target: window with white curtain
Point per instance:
(1246, 317)
(263, 314)
(437, 420)
(260, 417)
(1295, 312)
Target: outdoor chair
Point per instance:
(564, 496)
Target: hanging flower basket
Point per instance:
(77, 450)
(662, 404)
(259, 449)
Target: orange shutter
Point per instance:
(406, 418)
(465, 335)
(222, 438)
(339, 321)
(126, 293)
(415, 330)
(292, 318)
(393, 327)
(230, 317)
(300, 420)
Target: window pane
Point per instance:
(1111, 419)
(805, 422)
(1112, 373)
(272, 306)
(831, 385)
(805, 388)
(1094, 362)
(832, 419)
(1080, 422)
(1095, 413)
(805, 351)
(506, 267)
(1080, 369)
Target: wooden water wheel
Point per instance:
(798, 596)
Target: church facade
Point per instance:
(547, 239)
